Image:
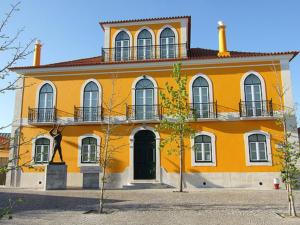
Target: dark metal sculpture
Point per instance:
(56, 133)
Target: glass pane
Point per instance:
(198, 152)
(257, 93)
(149, 97)
(207, 152)
(248, 93)
(262, 151)
(93, 153)
(253, 156)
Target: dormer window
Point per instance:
(122, 50)
(144, 45)
(167, 44)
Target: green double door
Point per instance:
(144, 155)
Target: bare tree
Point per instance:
(11, 46)
(111, 130)
(288, 146)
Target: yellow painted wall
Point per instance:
(230, 148)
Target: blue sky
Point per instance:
(69, 29)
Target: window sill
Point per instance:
(203, 164)
(262, 163)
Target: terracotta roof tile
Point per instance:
(194, 53)
(143, 20)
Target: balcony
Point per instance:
(149, 52)
(143, 112)
(88, 114)
(256, 108)
(41, 115)
(204, 110)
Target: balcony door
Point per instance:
(45, 106)
(144, 100)
(253, 96)
(167, 44)
(201, 106)
(144, 48)
(122, 48)
(90, 102)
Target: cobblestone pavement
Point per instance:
(161, 206)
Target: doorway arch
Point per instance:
(139, 138)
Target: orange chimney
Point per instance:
(222, 40)
(37, 53)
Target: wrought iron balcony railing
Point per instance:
(134, 53)
(256, 108)
(204, 110)
(41, 115)
(88, 114)
(143, 112)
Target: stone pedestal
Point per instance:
(56, 177)
(90, 175)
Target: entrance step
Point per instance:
(140, 185)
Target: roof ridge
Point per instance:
(143, 19)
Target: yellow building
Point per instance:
(232, 94)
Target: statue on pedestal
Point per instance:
(56, 133)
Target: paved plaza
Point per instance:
(149, 206)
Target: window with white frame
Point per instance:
(203, 148)
(253, 96)
(167, 44)
(257, 148)
(144, 45)
(91, 102)
(42, 147)
(201, 106)
(122, 48)
(89, 150)
(144, 100)
(45, 104)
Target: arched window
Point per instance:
(144, 99)
(45, 106)
(201, 106)
(167, 44)
(257, 148)
(42, 147)
(203, 148)
(144, 45)
(89, 150)
(90, 102)
(253, 96)
(122, 46)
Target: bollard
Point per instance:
(276, 183)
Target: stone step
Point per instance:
(140, 185)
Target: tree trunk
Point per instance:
(180, 164)
(101, 202)
(292, 203)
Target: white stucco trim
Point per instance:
(33, 149)
(37, 94)
(82, 91)
(269, 150)
(210, 86)
(35, 72)
(262, 81)
(131, 152)
(155, 94)
(106, 37)
(115, 35)
(176, 38)
(213, 150)
(79, 163)
(286, 80)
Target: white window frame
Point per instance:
(175, 41)
(79, 163)
(262, 84)
(268, 149)
(213, 150)
(112, 53)
(33, 163)
(37, 95)
(210, 87)
(136, 41)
